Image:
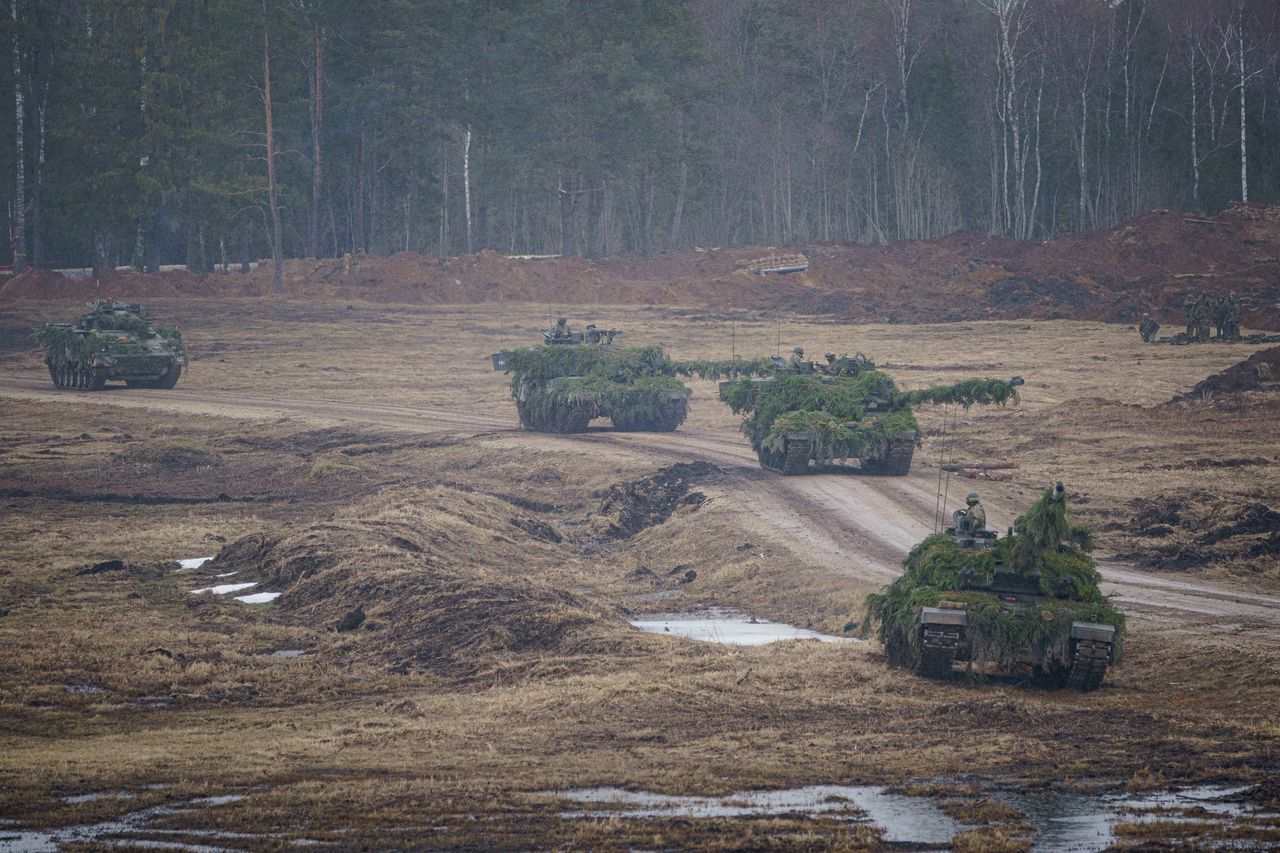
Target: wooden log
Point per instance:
(984, 474)
(979, 466)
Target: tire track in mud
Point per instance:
(861, 526)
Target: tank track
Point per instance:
(797, 457)
(793, 460)
(1089, 665)
(897, 463)
(938, 647)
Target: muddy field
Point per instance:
(442, 653)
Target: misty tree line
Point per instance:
(209, 132)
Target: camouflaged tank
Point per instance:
(822, 415)
(1026, 605)
(112, 341)
(576, 377)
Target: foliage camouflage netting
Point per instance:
(632, 385)
(83, 340)
(728, 368)
(848, 416)
(1044, 542)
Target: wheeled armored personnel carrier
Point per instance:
(576, 377)
(806, 415)
(112, 341)
(1026, 605)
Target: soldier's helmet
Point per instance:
(591, 325)
(971, 498)
(1144, 314)
(560, 321)
(830, 356)
(798, 350)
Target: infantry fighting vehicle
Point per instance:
(112, 341)
(576, 377)
(805, 413)
(1026, 605)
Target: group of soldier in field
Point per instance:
(1204, 313)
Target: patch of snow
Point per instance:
(259, 597)
(193, 562)
(223, 589)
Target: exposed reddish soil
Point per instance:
(1258, 372)
(1150, 263)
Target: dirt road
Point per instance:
(860, 526)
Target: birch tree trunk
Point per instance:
(466, 182)
(277, 249)
(1244, 151)
(20, 155)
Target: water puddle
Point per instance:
(40, 841)
(731, 627)
(288, 653)
(259, 597)
(910, 820)
(193, 562)
(1079, 823)
(223, 589)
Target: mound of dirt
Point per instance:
(1259, 372)
(426, 571)
(1150, 263)
(629, 508)
(1196, 529)
(173, 456)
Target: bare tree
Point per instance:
(277, 237)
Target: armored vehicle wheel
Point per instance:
(896, 463)
(938, 647)
(94, 379)
(1089, 664)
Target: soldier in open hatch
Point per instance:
(797, 358)
(1148, 328)
(972, 517)
(561, 330)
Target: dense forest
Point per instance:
(209, 132)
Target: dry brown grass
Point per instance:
(442, 711)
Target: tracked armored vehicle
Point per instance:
(576, 377)
(1026, 605)
(805, 415)
(112, 341)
